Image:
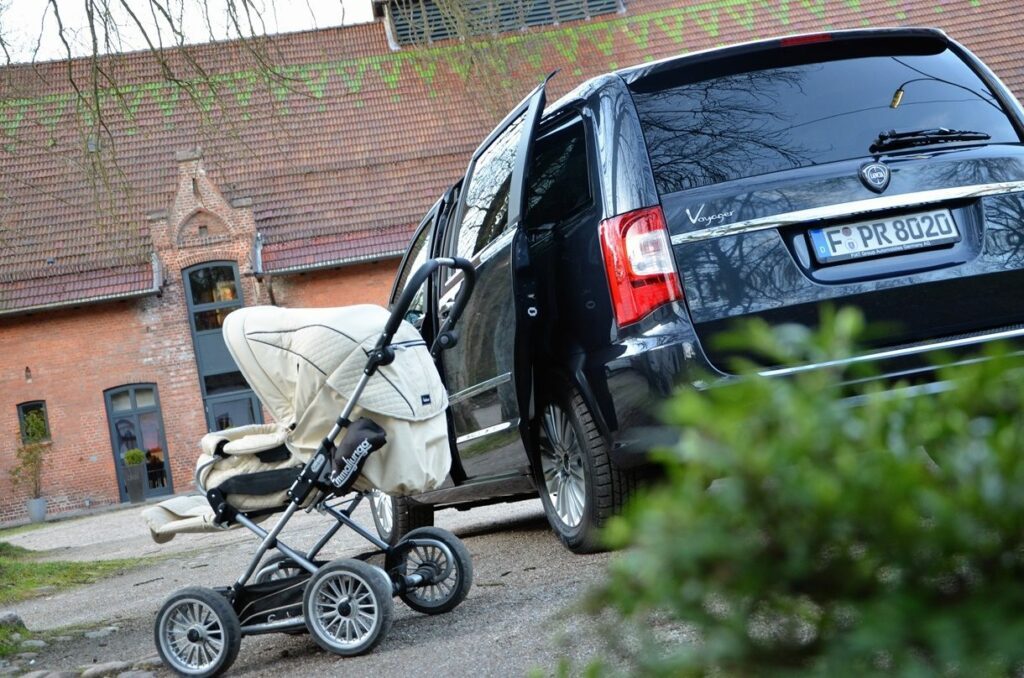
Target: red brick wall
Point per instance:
(74, 356)
(359, 284)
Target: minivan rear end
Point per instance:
(877, 169)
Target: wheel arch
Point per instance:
(547, 377)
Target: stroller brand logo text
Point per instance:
(352, 464)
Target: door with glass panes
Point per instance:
(212, 291)
(133, 414)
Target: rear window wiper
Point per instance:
(922, 137)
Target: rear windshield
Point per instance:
(744, 124)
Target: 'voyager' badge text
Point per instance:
(708, 218)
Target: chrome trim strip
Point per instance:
(914, 391)
(479, 388)
(898, 352)
(505, 425)
(849, 209)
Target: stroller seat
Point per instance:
(253, 467)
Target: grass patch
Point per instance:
(11, 638)
(22, 576)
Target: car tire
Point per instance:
(395, 517)
(579, 485)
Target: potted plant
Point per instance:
(28, 470)
(134, 474)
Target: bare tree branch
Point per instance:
(4, 7)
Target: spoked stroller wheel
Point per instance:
(348, 607)
(276, 567)
(448, 579)
(197, 632)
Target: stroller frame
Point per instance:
(439, 555)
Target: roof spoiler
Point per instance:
(673, 68)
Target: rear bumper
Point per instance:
(631, 388)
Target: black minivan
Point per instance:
(619, 229)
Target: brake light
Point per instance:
(805, 39)
(638, 261)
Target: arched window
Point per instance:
(212, 291)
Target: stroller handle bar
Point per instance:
(444, 337)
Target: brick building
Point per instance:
(123, 247)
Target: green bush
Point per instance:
(134, 456)
(803, 532)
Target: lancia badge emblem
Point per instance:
(875, 176)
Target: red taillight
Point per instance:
(638, 261)
(805, 39)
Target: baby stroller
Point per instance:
(302, 364)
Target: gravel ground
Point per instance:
(512, 622)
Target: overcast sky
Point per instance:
(29, 26)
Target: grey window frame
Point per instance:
(488, 17)
(23, 410)
(193, 308)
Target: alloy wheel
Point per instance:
(561, 460)
(193, 637)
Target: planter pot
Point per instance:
(134, 479)
(36, 509)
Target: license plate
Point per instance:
(883, 236)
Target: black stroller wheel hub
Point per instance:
(429, 572)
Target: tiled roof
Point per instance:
(89, 286)
(350, 143)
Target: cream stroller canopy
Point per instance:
(304, 364)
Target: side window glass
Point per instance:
(558, 183)
(487, 194)
(418, 253)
